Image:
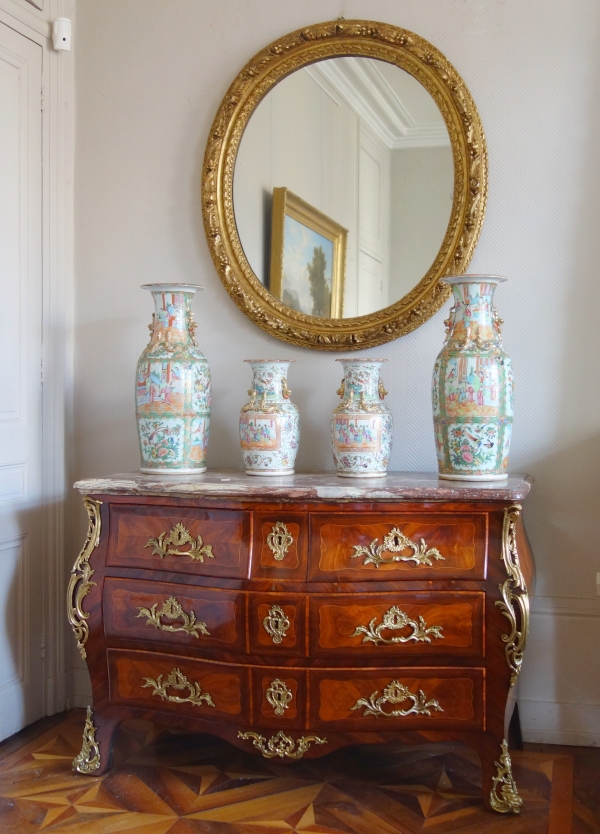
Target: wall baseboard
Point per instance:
(80, 688)
(543, 722)
(559, 691)
(565, 738)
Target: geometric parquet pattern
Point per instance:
(168, 781)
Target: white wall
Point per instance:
(150, 76)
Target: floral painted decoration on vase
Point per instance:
(361, 425)
(173, 394)
(269, 422)
(472, 387)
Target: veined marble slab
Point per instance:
(409, 486)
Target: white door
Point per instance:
(21, 512)
(373, 222)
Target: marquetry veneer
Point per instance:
(298, 616)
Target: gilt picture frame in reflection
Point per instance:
(308, 257)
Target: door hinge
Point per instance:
(42, 372)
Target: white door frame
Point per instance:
(33, 19)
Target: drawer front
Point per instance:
(402, 545)
(279, 697)
(400, 624)
(183, 615)
(168, 683)
(394, 699)
(182, 540)
(280, 546)
(277, 624)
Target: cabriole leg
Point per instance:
(499, 788)
(96, 750)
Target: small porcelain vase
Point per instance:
(362, 426)
(473, 386)
(173, 395)
(270, 422)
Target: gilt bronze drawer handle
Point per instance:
(281, 745)
(396, 542)
(179, 537)
(279, 540)
(80, 581)
(177, 680)
(395, 619)
(171, 609)
(396, 693)
(276, 624)
(279, 696)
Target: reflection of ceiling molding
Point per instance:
(362, 86)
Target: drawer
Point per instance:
(377, 625)
(180, 539)
(277, 624)
(280, 546)
(183, 615)
(279, 697)
(399, 545)
(392, 699)
(170, 683)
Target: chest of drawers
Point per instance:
(295, 616)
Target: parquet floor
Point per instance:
(166, 781)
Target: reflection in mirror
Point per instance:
(361, 147)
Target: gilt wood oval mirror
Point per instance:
(345, 174)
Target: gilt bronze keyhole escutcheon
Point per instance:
(279, 540)
(276, 624)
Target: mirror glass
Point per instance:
(343, 187)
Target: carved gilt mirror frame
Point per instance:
(294, 51)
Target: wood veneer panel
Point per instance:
(334, 693)
(294, 563)
(294, 608)
(222, 612)
(227, 685)
(294, 717)
(460, 539)
(334, 620)
(226, 531)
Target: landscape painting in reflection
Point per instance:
(307, 261)
(308, 251)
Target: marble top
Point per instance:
(310, 486)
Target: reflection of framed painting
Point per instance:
(308, 257)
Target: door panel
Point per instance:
(21, 515)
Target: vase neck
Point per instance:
(473, 318)
(173, 322)
(270, 380)
(361, 380)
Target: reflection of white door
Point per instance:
(373, 222)
(21, 514)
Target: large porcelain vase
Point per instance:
(173, 387)
(473, 386)
(269, 422)
(361, 425)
